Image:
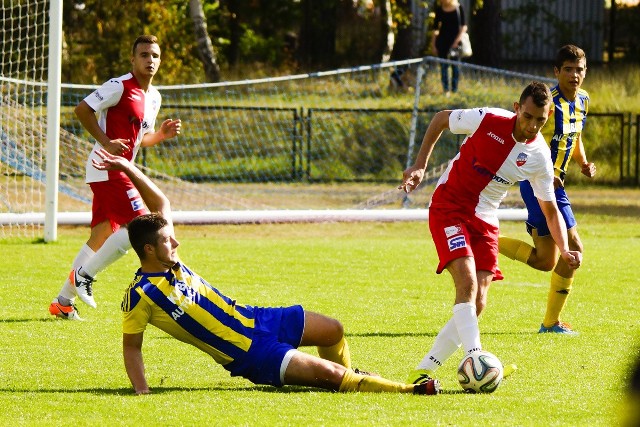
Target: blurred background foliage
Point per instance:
(254, 38)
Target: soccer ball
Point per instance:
(480, 372)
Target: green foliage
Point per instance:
(378, 279)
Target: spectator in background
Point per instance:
(448, 26)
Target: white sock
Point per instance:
(112, 250)
(68, 292)
(446, 343)
(464, 315)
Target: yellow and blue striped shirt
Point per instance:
(570, 118)
(188, 308)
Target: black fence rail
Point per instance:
(260, 144)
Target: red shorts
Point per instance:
(116, 201)
(457, 236)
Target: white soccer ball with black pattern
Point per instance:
(480, 372)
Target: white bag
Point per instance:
(465, 46)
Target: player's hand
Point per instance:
(557, 183)
(110, 161)
(170, 128)
(117, 146)
(572, 258)
(411, 178)
(589, 170)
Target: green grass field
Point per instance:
(378, 279)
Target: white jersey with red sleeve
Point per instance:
(489, 162)
(125, 111)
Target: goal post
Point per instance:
(53, 120)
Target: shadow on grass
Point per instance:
(32, 319)
(126, 391)
(429, 334)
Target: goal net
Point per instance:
(325, 145)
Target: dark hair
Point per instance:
(539, 93)
(145, 39)
(143, 230)
(568, 52)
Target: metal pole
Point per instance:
(53, 120)
(414, 124)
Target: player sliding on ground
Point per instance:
(501, 148)
(257, 343)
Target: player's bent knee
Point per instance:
(545, 265)
(335, 330)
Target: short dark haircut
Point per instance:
(570, 53)
(539, 93)
(144, 39)
(143, 230)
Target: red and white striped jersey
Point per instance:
(124, 111)
(489, 162)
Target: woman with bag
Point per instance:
(449, 27)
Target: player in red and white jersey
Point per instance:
(127, 108)
(501, 149)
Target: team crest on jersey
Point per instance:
(521, 159)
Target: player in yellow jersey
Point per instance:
(257, 343)
(571, 105)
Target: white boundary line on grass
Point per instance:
(261, 216)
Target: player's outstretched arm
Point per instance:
(558, 231)
(153, 197)
(133, 362)
(412, 176)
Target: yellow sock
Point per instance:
(558, 293)
(338, 353)
(365, 383)
(514, 249)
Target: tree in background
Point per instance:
(229, 39)
(203, 42)
(98, 37)
(318, 33)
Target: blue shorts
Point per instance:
(277, 331)
(536, 218)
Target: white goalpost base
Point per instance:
(262, 216)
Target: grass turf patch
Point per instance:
(377, 278)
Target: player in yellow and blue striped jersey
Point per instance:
(571, 105)
(257, 343)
